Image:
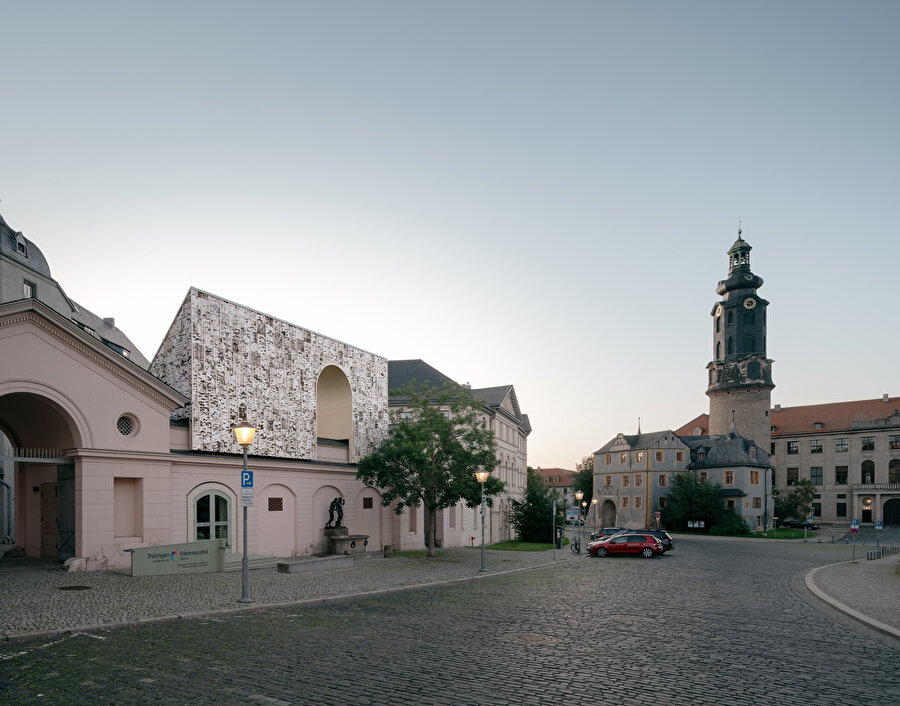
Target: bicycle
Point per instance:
(575, 546)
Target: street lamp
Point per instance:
(594, 502)
(579, 494)
(244, 432)
(482, 477)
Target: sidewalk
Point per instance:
(868, 591)
(40, 598)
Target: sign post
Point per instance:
(854, 530)
(774, 529)
(553, 536)
(878, 528)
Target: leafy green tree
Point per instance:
(583, 479)
(532, 517)
(436, 443)
(796, 502)
(689, 500)
(730, 523)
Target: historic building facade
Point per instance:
(102, 451)
(511, 427)
(632, 473)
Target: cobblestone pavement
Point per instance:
(714, 622)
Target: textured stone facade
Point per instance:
(223, 355)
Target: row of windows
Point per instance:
(842, 474)
(841, 444)
(638, 480)
(639, 456)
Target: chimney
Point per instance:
(884, 397)
(777, 408)
(111, 322)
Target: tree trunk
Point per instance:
(432, 531)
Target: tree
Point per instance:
(532, 517)
(436, 443)
(583, 479)
(690, 500)
(796, 502)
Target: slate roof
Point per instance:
(104, 330)
(403, 372)
(726, 451)
(646, 440)
(33, 259)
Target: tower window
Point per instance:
(718, 350)
(731, 318)
(729, 346)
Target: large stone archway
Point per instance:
(39, 478)
(607, 513)
(891, 512)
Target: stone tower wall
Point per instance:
(751, 407)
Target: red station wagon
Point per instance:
(644, 544)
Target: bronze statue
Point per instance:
(336, 508)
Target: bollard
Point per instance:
(388, 551)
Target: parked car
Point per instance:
(645, 545)
(664, 537)
(800, 524)
(607, 532)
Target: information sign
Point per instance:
(878, 525)
(246, 479)
(246, 497)
(854, 530)
(854, 522)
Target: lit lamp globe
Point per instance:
(244, 432)
(482, 476)
(579, 495)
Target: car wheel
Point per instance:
(601, 551)
(647, 552)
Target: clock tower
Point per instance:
(740, 374)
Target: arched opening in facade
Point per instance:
(334, 414)
(37, 487)
(894, 471)
(211, 514)
(867, 472)
(891, 512)
(607, 514)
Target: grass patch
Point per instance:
(514, 545)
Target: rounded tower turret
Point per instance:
(740, 375)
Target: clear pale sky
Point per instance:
(529, 193)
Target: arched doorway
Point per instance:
(607, 514)
(891, 512)
(867, 472)
(369, 517)
(334, 409)
(38, 424)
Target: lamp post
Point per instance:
(482, 478)
(578, 496)
(594, 502)
(244, 432)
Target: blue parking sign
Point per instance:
(246, 479)
(854, 522)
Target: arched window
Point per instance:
(211, 515)
(731, 318)
(868, 471)
(729, 346)
(894, 471)
(718, 323)
(718, 350)
(334, 407)
(749, 342)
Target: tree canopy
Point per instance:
(690, 500)
(532, 517)
(437, 442)
(796, 502)
(583, 479)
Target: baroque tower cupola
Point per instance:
(740, 374)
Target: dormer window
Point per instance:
(21, 245)
(752, 452)
(701, 456)
(817, 425)
(29, 289)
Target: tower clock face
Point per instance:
(748, 276)
(718, 309)
(749, 303)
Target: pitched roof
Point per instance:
(32, 258)
(833, 416)
(628, 442)
(727, 450)
(403, 372)
(564, 476)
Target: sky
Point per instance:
(528, 193)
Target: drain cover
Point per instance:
(74, 588)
